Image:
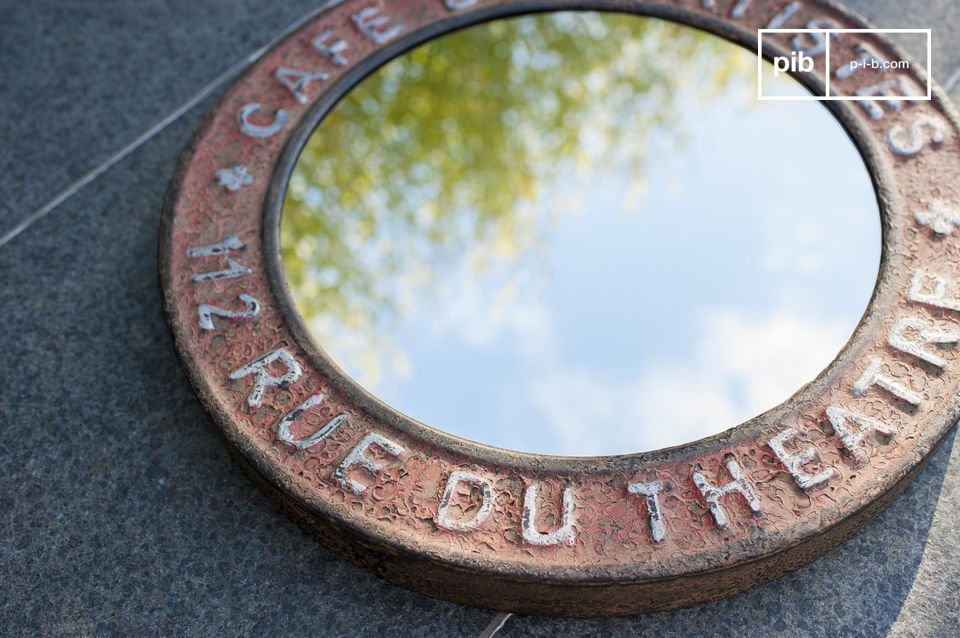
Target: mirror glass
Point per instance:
(579, 234)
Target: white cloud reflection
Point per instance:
(653, 309)
(740, 368)
(742, 362)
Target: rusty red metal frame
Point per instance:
(559, 535)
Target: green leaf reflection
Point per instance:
(441, 155)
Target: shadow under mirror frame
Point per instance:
(561, 535)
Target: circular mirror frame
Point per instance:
(562, 535)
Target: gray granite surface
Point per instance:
(82, 79)
(120, 511)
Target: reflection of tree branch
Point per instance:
(431, 156)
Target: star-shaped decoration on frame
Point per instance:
(233, 179)
(940, 217)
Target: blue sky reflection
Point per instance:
(631, 311)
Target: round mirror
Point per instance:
(579, 234)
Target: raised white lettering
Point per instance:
(457, 5)
(924, 335)
(650, 491)
(262, 379)
(874, 375)
(785, 14)
(936, 298)
(712, 493)
(229, 243)
(818, 41)
(358, 457)
(283, 429)
(371, 25)
(923, 130)
(565, 533)
(477, 518)
(206, 312)
(280, 119)
(893, 87)
(851, 437)
(233, 269)
(795, 462)
(297, 80)
(332, 50)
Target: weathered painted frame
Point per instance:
(583, 536)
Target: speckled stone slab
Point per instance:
(120, 511)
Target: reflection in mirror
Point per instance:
(578, 234)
